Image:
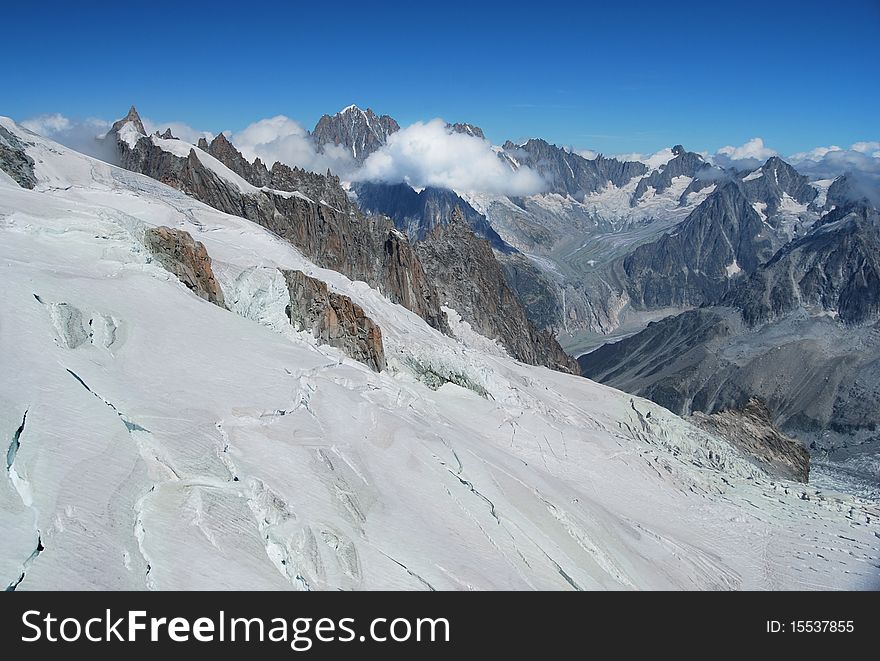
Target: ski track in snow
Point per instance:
(250, 457)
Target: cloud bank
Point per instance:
(828, 162)
(422, 154)
(750, 155)
(430, 154)
(282, 139)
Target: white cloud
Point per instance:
(861, 157)
(429, 154)
(754, 149)
(588, 154)
(47, 124)
(282, 139)
(815, 154)
(653, 161)
(872, 148)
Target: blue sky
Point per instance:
(612, 76)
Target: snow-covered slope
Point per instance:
(159, 441)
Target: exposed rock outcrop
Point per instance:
(186, 258)
(14, 161)
(751, 429)
(224, 151)
(470, 280)
(309, 210)
(334, 319)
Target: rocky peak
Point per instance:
(718, 241)
(683, 164)
(225, 152)
(167, 135)
(132, 117)
(467, 129)
(360, 131)
(773, 181)
(849, 189)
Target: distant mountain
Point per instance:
(683, 164)
(852, 188)
(834, 268)
(801, 334)
(775, 181)
(721, 239)
(569, 173)
(360, 131)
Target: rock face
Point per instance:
(309, 210)
(418, 212)
(14, 161)
(751, 429)
(187, 259)
(569, 173)
(224, 151)
(534, 290)
(835, 268)
(698, 262)
(360, 131)
(334, 319)
(470, 280)
(684, 163)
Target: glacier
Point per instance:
(157, 441)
